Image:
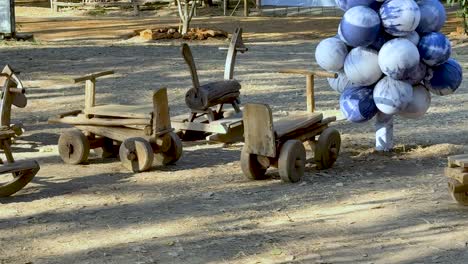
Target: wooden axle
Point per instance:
(242, 50)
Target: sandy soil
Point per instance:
(369, 208)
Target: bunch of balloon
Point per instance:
(390, 57)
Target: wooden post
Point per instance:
(90, 91)
(135, 8)
(225, 7)
(310, 83)
(246, 8)
(90, 87)
(310, 93)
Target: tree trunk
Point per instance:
(185, 26)
(185, 14)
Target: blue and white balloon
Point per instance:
(357, 104)
(376, 5)
(340, 83)
(362, 66)
(392, 96)
(398, 57)
(432, 16)
(347, 4)
(330, 54)
(380, 40)
(360, 26)
(417, 74)
(434, 48)
(400, 17)
(419, 104)
(446, 78)
(413, 37)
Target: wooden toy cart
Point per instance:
(206, 102)
(14, 175)
(280, 144)
(140, 130)
(457, 173)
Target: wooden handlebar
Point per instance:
(17, 90)
(92, 76)
(305, 72)
(237, 49)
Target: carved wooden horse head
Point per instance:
(12, 94)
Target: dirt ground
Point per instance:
(368, 208)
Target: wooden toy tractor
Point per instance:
(14, 175)
(280, 144)
(143, 132)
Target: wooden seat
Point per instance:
(6, 133)
(213, 93)
(295, 123)
(123, 111)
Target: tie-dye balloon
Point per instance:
(360, 26)
(362, 66)
(330, 54)
(417, 74)
(347, 4)
(400, 17)
(446, 78)
(357, 104)
(432, 16)
(434, 48)
(419, 104)
(340, 83)
(376, 5)
(392, 96)
(380, 41)
(413, 37)
(398, 57)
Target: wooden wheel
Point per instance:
(172, 154)
(73, 147)
(459, 197)
(13, 182)
(107, 150)
(327, 148)
(136, 154)
(250, 166)
(291, 162)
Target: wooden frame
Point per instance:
(264, 137)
